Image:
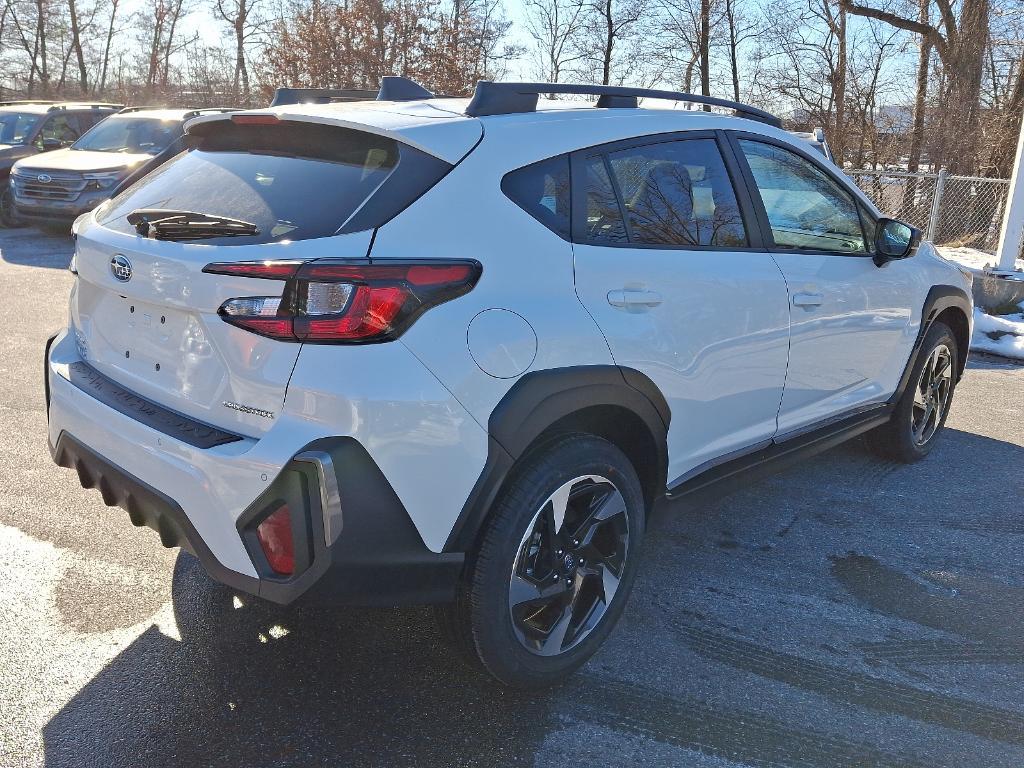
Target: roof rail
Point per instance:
(84, 105)
(188, 111)
(195, 112)
(492, 98)
(394, 88)
(284, 96)
(17, 102)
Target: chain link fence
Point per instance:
(952, 210)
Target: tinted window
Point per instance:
(604, 218)
(88, 119)
(542, 190)
(60, 128)
(293, 181)
(16, 127)
(806, 207)
(136, 135)
(678, 193)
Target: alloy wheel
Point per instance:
(569, 565)
(932, 394)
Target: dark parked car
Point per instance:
(55, 189)
(30, 127)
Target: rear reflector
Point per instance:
(334, 301)
(275, 537)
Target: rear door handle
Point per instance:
(807, 299)
(624, 298)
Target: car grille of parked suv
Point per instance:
(42, 185)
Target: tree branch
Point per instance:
(925, 30)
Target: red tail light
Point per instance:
(333, 301)
(275, 537)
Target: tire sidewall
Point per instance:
(939, 333)
(544, 471)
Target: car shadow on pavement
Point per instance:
(28, 247)
(250, 683)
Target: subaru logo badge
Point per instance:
(45, 178)
(121, 268)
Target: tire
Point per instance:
(8, 217)
(532, 609)
(913, 430)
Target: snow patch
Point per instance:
(971, 258)
(996, 334)
(999, 334)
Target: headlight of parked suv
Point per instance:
(103, 180)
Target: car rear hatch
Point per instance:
(145, 314)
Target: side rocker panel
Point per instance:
(540, 400)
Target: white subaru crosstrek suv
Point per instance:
(451, 352)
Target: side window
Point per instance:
(806, 207)
(604, 218)
(678, 193)
(58, 127)
(542, 190)
(87, 120)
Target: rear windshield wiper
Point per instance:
(164, 224)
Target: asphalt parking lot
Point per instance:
(846, 612)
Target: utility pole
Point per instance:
(1012, 237)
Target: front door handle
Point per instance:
(624, 298)
(807, 299)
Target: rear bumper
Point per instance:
(358, 544)
(145, 506)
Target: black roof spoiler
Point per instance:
(492, 98)
(391, 89)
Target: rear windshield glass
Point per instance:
(294, 181)
(132, 135)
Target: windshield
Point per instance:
(16, 127)
(130, 135)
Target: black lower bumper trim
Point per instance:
(378, 559)
(145, 506)
(153, 415)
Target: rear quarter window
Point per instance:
(542, 190)
(294, 181)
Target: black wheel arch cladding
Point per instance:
(620, 404)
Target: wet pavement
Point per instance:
(846, 612)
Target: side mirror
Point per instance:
(895, 240)
(51, 144)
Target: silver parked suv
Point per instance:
(55, 189)
(30, 127)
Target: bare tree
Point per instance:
(610, 27)
(684, 27)
(105, 63)
(960, 41)
(240, 15)
(803, 59)
(556, 27)
(740, 29)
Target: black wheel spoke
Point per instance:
(523, 590)
(931, 395)
(569, 565)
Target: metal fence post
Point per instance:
(933, 219)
